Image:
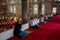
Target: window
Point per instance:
(54, 10)
(13, 9)
(35, 0)
(12, 6)
(56, 0)
(31, 0)
(43, 9)
(42, 0)
(12, 2)
(35, 9)
(20, 1)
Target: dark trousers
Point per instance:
(35, 26)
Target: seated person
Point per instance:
(36, 21)
(33, 23)
(45, 18)
(42, 19)
(51, 15)
(17, 30)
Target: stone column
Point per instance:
(40, 7)
(58, 8)
(48, 5)
(24, 11)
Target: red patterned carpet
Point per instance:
(46, 31)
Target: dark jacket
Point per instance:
(17, 29)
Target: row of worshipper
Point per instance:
(34, 23)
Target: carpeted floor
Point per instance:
(46, 31)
